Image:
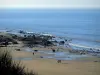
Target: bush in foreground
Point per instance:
(9, 67)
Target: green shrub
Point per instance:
(10, 67)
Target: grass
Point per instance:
(10, 67)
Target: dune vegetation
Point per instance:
(10, 67)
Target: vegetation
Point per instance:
(37, 40)
(6, 39)
(10, 67)
(29, 40)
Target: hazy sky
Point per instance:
(50, 3)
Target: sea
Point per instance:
(81, 25)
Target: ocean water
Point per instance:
(83, 26)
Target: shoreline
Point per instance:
(61, 38)
(68, 45)
(82, 46)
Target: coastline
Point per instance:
(72, 43)
(49, 66)
(66, 51)
(78, 42)
(84, 47)
(82, 42)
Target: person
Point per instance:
(59, 61)
(53, 50)
(33, 53)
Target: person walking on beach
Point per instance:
(33, 53)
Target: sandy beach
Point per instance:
(51, 67)
(85, 66)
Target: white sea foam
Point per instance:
(82, 46)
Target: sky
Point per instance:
(49, 3)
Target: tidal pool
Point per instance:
(57, 55)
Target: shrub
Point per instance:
(10, 67)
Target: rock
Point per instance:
(35, 50)
(17, 49)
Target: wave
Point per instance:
(82, 46)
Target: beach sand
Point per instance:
(51, 67)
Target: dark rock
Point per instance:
(35, 50)
(17, 49)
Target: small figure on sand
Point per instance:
(41, 56)
(59, 61)
(53, 50)
(33, 53)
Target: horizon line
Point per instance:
(48, 7)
